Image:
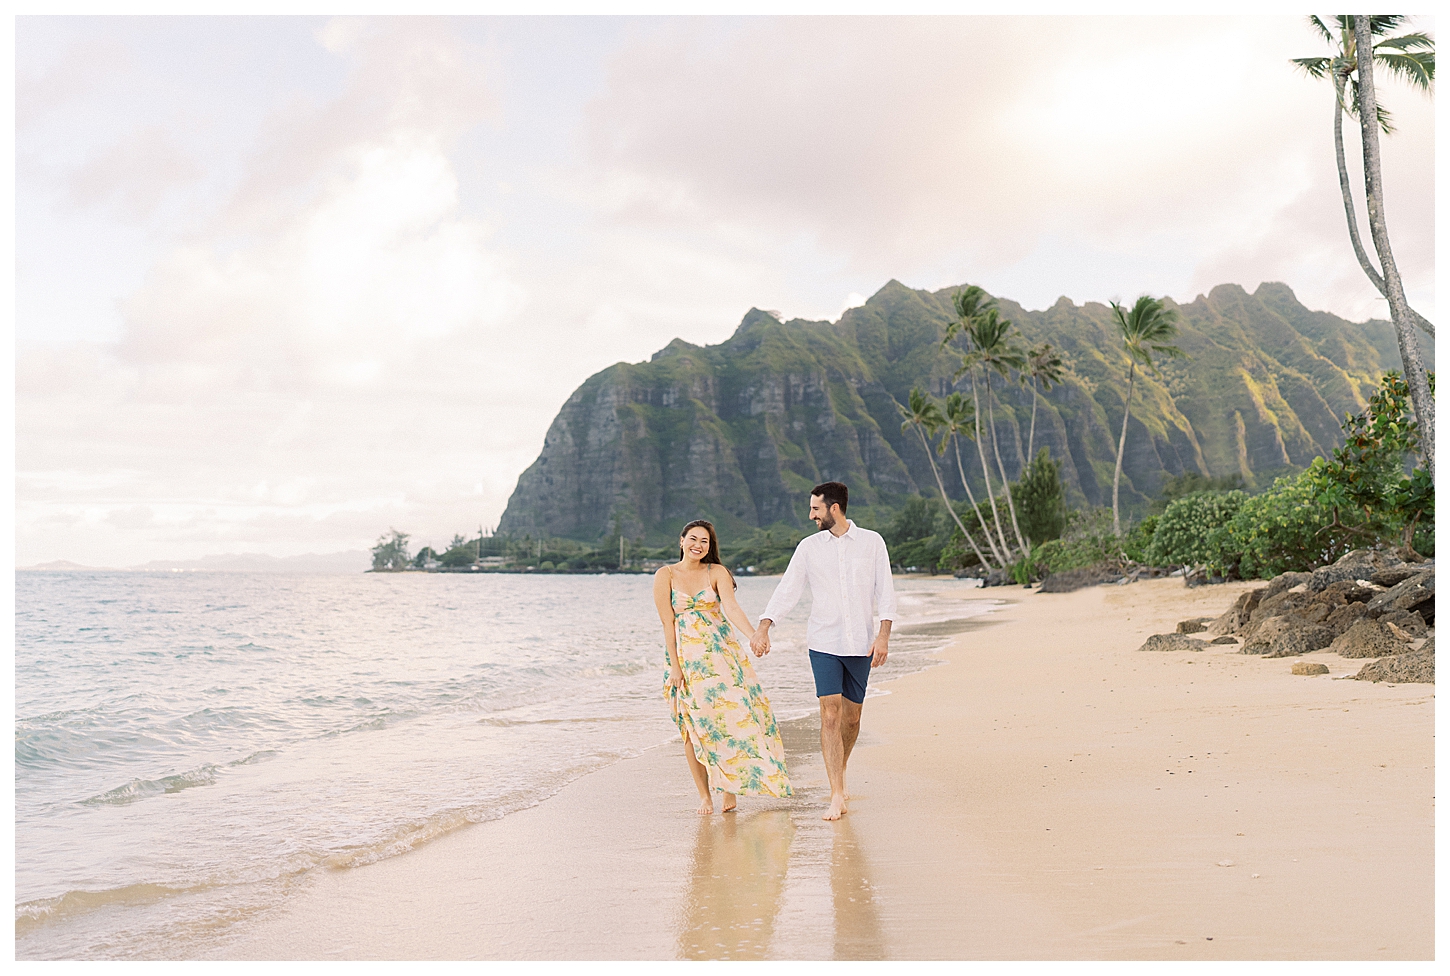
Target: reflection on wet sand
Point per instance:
(858, 926)
(736, 879)
(780, 882)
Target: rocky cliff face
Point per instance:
(740, 431)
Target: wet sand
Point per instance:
(1046, 793)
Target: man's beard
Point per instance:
(826, 523)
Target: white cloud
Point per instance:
(372, 310)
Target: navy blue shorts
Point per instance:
(844, 676)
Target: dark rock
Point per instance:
(1328, 575)
(1409, 621)
(1286, 603)
(1195, 626)
(1282, 582)
(1288, 636)
(1309, 667)
(1340, 619)
(1368, 559)
(1366, 638)
(1075, 579)
(1415, 593)
(1394, 575)
(1411, 667)
(1238, 615)
(1172, 642)
(1345, 591)
(1224, 640)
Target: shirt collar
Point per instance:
(850, 528)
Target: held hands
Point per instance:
(760, 640)
(878, 651)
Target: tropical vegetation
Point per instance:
(1359, 45)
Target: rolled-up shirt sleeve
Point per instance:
(788, 593)
(885, 591)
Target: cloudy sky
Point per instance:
(282, 283)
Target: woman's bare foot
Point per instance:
(836, 809)
(706, 807)
(729, 805)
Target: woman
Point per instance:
(731, 740)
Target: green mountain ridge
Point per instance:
(738, 432)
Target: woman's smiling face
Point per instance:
(696, 543)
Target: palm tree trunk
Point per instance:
(1007, 488)
(1394, 288)
(956, 446)
(1344, 189)
(1122, 440)
(982, 453)
(947, 501)
(1032, 427)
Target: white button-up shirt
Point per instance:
(850, 578)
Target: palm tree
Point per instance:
(1045, 366)
(970, 304)
(1410, 57)
(1145, 331)
(924, 415)
(993, 348)
(1419, 383)
(957, 414)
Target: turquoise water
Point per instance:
(190, 746)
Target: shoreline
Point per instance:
(1030, 800)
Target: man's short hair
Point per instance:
(832, 493)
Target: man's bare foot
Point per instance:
(836, 809)
(706, 807)
(729, 805)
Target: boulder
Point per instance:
(1275, 606)
(1282, 582)
(1395, 574)
(1411, 667)
(1172, 642)
(1237, 616)
(1345, 591)
(1366, 638)
(1328, 575)
(1409, 621)
(1368, 561)
(1341, 618)
(1224, 640)
(1416, 593)
(1287, 636)
(1194, 626)
(1308, 667)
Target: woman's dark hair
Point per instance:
(713, 554)
(832, 493)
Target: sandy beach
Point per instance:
(1047, 792)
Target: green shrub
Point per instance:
(1186, 534)
(1038, 497)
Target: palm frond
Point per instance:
(1408, 41)
(1380, 23)
(1415, 68)
(1313, 67)
(1319, 28)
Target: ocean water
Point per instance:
(192, 747)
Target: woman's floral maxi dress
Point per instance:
(723, 713)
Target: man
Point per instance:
(849, 574)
